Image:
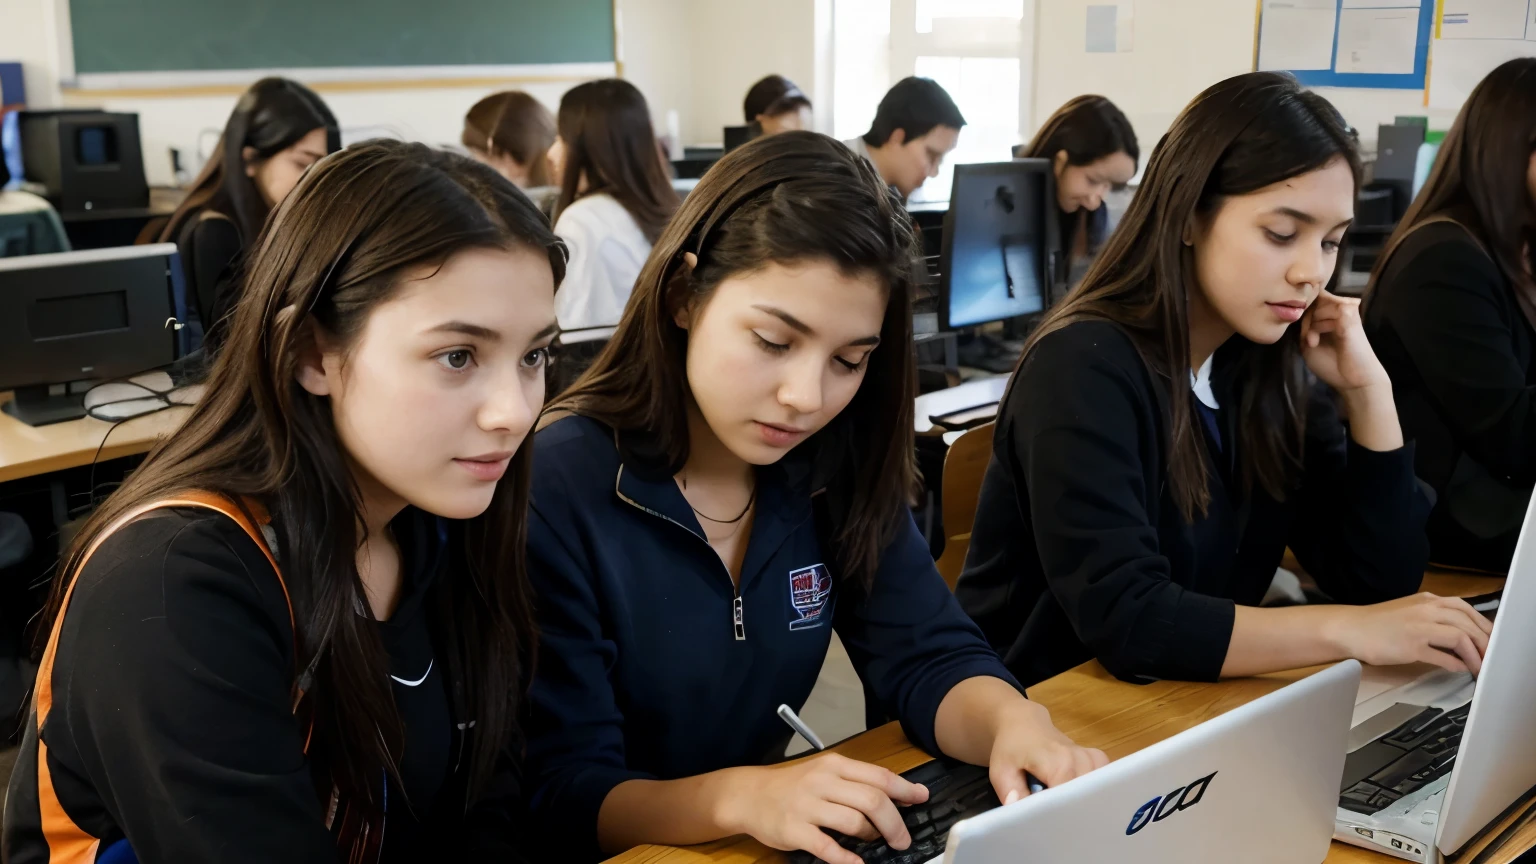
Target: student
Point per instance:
(372, 399)
(725, 487)
(1171, 429)
(615, 197)
(775, 105)
(512, 132)
(278, 129)
(915, 127)
(1093, 151)
(1452, 309)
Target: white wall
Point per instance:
(1180, 48)
(735, 43)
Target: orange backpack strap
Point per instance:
(68, 843)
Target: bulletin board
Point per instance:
(1378, 44)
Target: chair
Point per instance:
(964, 466)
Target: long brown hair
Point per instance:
(606, 128)
(1479, 178)
(797, 196)
(1237, 137)
(269, 118)
(1088, 128)
(514, 123)
(336, 248)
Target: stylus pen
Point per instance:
(788, 715)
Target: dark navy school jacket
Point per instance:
(652, 667)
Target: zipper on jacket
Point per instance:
(738, 615)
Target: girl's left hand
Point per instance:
(1334, 345)
(1028, 742)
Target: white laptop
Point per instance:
(1433, 759)
(1256, 784)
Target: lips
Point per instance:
(777, 435)
(1290, 311)
(487, 467)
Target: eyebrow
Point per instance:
(802, 327)
(1308, 218)
(312, 154)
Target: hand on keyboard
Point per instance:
(1422, 628)
(1027, 741)
(787, 806)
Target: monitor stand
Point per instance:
(35, 406)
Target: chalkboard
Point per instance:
(124, 36)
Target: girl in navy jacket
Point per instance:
(726, 486)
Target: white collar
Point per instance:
(1200, 383)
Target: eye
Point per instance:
(536, 359)
(1331, 246)
(456, 361)
(770, 347)
(1279, 238)
(855, 367)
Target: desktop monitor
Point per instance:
(71, 318)
(735, 136)
(997, 254)
(86, 160)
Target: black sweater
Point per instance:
(172, 724)
(1462, 358)
(1080, 551)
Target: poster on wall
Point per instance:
(1348, 43)
(1471, 38)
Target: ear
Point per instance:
(310, 372)
(899, 137)
(252, 160)
(682, 316)
(1059, 162)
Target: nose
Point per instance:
(1311, 268)
(801, 388)
(511, 404)
(1094, 200)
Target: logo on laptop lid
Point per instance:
(809, 589)
(1163, 806)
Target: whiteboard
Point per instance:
(1472, 37)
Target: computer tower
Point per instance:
(1397, 152)
(85, 159)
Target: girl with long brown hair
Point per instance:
(1452, 309)
(277, 129)
(1174, 426)
(724, 488)
(615, 199)
(304, 622)
(1093, 151)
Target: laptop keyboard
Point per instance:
(1402, 762)
(955, 791)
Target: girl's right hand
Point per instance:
(786, 806)
(1423, 628)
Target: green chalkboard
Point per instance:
(115, 36)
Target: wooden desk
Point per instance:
(27, 451)
(1094, 709)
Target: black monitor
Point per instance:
(735, 136)
(77, 317)
(996, 259)
(86, 160)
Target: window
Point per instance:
(987, 91)
(928, 10)
(980, 51)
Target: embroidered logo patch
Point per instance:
(809, 588)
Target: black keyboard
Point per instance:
(955, 791)
(1407, 759)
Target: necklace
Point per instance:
(740, 516)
